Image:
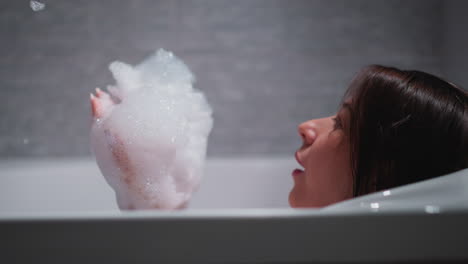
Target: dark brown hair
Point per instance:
(405, 126)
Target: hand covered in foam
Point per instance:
(149, 135)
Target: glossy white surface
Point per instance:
(76, 185)
(62, 211)
(442, 194)
(55, 187)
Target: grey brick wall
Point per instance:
(265, 66)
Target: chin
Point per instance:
(298, 203)
(293, 200)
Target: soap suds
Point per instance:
(159, 125)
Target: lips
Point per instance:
(297, 172)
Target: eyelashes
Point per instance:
(338, 124)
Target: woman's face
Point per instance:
(325, 157)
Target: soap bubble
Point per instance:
(36, 6)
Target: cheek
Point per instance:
(318, 157)
(326, 178)
(327, 162)
(327, 148)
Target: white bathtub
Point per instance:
(62, 211)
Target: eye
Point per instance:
(338, 124)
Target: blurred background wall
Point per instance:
(455, 42)
(264, 65)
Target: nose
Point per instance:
(307, 131)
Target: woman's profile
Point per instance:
(393, 127)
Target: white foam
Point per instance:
(36, 5)
(163, 124)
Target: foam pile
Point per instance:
(150, 133)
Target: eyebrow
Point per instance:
(346, 105)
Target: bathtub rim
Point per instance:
(211, 214)
(334, 238)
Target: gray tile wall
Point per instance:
(455, 42)
(265, 66)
